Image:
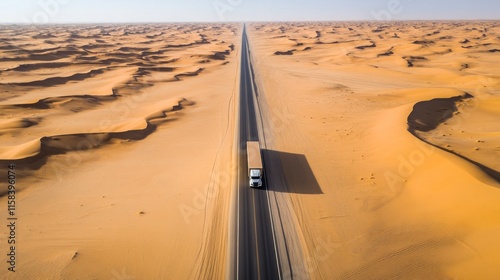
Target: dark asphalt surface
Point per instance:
(256, 255)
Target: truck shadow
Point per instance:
(290, 173)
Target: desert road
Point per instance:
(256, 245)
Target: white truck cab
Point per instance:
(255, 178)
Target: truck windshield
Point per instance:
(255, 177)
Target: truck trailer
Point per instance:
(255, 170)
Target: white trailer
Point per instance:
(255, 169)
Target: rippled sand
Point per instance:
(118, 133)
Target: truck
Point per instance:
(255, 169)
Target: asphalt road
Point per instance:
(256, 256)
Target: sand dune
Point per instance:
(37, 66)
(73, 98)
(55, 81)
(398, 122)
(59, 144)
(428, 116)
(188, 74)
(17, 123)
(71, 102)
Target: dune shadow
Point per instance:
(78, 142)
(290, 173)
(428, 115)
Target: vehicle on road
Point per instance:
(255, 169)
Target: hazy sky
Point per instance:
(65, 11)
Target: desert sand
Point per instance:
(122, 136)
(399, 125)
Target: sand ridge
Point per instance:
(55, 75)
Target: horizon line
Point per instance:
(246, 21)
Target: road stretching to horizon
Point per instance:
(256, 253)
